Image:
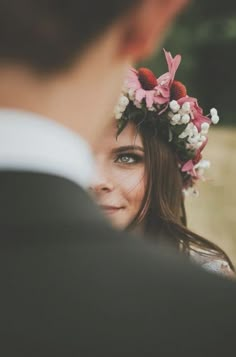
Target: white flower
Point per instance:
(186, 132)
(125, 89)
(185, 119)
(199, 144)
(215, 119)
(201, 167)
(123, 101)
(192, 132)
(117, 110)
(131, 93)
(189, 128)
(214, 116)
(205, 127)
(176, 119)
(186, 107)
(121, 106)
(203, 138)
(213, 112)
(174, 106)
(203, 164)
(118, 115)
(195, 131)
(183, 135)
(193, 140)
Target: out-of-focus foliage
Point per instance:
(205, 35)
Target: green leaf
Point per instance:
(121, 125)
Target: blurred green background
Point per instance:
(205, 36)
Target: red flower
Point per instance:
(178, 90)
(147, 78)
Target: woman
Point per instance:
(153, 158)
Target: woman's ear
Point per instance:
(144, 27)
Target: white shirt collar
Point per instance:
(30, 142)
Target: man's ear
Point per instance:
(144, 26)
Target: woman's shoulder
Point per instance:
(211, 262)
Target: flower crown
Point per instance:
(178, 117)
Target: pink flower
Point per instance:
(188, 167)
(146, 86)
(133, 82)
(166, 80)
(196, 112)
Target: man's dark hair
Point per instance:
(48, 34)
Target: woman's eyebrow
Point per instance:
(128, 148)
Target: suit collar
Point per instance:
(32, 143)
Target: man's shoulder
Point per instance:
(67, 276)
(96, 290)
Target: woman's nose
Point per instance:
(101, 182)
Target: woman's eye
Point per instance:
(128, 159)
(125, 159)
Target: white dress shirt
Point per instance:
(30, 142)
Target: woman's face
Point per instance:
(119, 183)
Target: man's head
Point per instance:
(67, 58)
(49, 34)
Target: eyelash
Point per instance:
(135, 157)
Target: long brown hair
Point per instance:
(162, 213)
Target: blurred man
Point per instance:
(70, 285)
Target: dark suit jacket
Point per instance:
(71, 286)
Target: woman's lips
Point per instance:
(110, 209)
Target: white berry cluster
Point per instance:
(201, 166)
(121, 106)
(194, 138)
(179, 115)
(131, 95)
(214, 116)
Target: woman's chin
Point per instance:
(117, 217)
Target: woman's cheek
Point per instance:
(133, 185)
